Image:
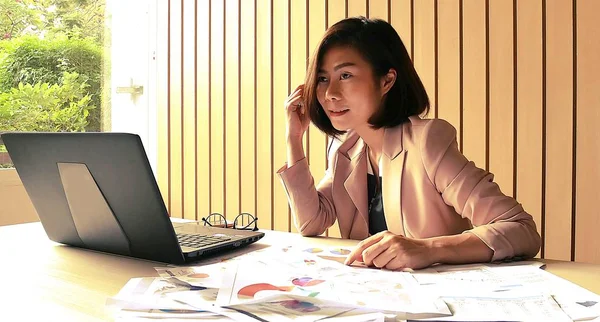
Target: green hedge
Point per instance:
(30, 60)
(62, 107)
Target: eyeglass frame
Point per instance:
(223, 221)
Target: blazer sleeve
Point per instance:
(312, 207)
(498, 220)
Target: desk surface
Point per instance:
(40, 278)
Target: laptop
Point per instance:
(97, 191)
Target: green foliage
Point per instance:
(17, 16)
(29, 60)
(62, 107)
(76, 18)
(51, 18)
(40, 40)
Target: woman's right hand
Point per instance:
(297, 116)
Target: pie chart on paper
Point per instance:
(313, 250)
(340, 251)
(248, 292)
(306, 281)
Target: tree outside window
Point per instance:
(52, 66)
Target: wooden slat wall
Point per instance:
(518, 79)
(586, 245)
(281, 86)
(298, 51)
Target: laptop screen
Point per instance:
(96, 191)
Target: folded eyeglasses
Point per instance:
(243, 221)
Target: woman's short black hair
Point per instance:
(381, 46)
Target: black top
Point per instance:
(376, 215)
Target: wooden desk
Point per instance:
(42, 279)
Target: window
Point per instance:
(53, 67)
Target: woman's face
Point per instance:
(347, 89)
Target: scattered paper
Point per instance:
(312, 277)
(129, 315)
(204, 276)
(147, 294)
(448, 280)
(309, 283)
(287, 307)
(577, 302)
(534, 308)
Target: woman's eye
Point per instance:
(345, 76)
(321, 79)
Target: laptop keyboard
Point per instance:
(199, 241)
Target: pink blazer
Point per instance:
(429, 189)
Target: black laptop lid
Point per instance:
(96, 191)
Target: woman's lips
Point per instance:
(339, 113)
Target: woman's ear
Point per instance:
(387, 81)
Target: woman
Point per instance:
(394, 180)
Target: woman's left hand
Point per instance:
(393, 252)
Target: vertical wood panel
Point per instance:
(281, 220)
(449, 63)
(587, 243)
(401, 14)
(232, 117)
(559, 125)
(529, 108)
(357, 8)
(162, 88)
(202, 106)
(189, 111)
(224, 150)
(263, 122)
(247, 117)
(424, 47)
(298, 49)
(336, 11)
(474, 81)
(501, 93)
(217, 63)
(317, 140)
(175, 94)
(378, 9)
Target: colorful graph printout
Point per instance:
(340, 251)
(248, 292)
(299, 306)
(306, 281)
(314, 250)
(287, 307)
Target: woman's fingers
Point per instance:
(297, 120)
(295, 94)
(295, 105)
(384, 259)
(356, 254)
(372, 252)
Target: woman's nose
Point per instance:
(332, 93)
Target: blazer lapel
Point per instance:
(392, 166)
(356, 183)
